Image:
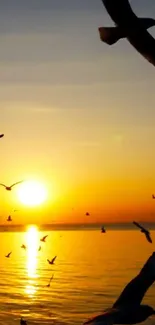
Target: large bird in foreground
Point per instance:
(128, 309)
(129, 26)
(9, 188)
(144, 231)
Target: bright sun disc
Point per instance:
(32, 193)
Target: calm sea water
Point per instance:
(90, 271)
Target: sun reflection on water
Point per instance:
(32, 240)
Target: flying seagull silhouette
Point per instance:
(44, 239)
(1, 135)
(128, 308)
(23, 322)
(9, 218)
(52, 261)
(23, 246)
(129, 26)
(9, 188)
(48, 285)
(8, 255)
(87, 214)
(143, 230)
(153, 196)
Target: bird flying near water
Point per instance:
(48, 285)
(128, 308)
(153, 196)
(144, 231)
(52, 261)
(8, 255)
(43, 239)
(129, 26)
(1, 135)
(9, 188)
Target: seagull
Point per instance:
(87, 214)
(153, 196)
(103, 230)
(128, 308)
(23, 246)
(39, 249)
(48, 285)
(9, 218)
(145, 231)
(8, 255)
(9, 188)
(23, 322)
(1, 135)
(52, 261)
(129, 26)
(43, 239)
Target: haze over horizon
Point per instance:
(78, 115)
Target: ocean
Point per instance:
(89, 273)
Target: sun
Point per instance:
(32, 193)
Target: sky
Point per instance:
(78, 115)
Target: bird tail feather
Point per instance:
(110, 35)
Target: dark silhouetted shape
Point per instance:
(23, 246)
(8, 255)
(103, 230)
(9, 218)
(23, 322)
(87, 214)
(129, 26)
(39, 249)
(52, 261)
(48, 285)
(128, 309)
(44, 238)
(1, 135)
(144, 231)
(153, 196)
(9, 188)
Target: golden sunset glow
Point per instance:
(32, 239)
(32, 193)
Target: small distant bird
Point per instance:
(87, 214)
(103, 230)
(44, 239)
(1, 135)
(15, 210)
(9, 218)
(143, 230)
(52, 261)
(23, 246)
(128, 25)
(39, 249)
(48, 285)
(9, 188)
(8, 255)
(153, 196)
(128, 308)
(23, 322)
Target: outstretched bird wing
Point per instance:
(120, 11)
(53, 259)
(1, 135)
(43, 239)
(148, 237)
(107, 318)
(138, 225)
(16, 183)
(3, 185)
(135, 290)
(144, 43)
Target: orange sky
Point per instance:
(77, 115)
